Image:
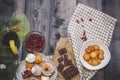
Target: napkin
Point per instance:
(94, 25)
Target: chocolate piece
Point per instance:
(60, 59)
(66, 57)
(60, 67)
(66, 62)
(70, 72)
(75, 70)
(70, 62)
(66, 77)
(62, 51)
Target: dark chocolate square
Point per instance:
(75, 70)
(70, 72)
(60, 59)
(60, 67)
(70, 62)
(62, 51)
(66, 62)
(66, 77)
(66, 57)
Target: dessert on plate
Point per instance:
(37, 68)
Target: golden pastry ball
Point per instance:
(101, 51)
(101, 56)
(91, 48)
(96, 47)
(97, 52)
(87, 50)
(86, 57)
(90, 62)
(94, 62)
(38, 58)
(93, 54)
(29, 65)
(99, 61)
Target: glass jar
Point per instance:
(34, 42)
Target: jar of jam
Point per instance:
(34, 41)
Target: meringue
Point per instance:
(30, 58)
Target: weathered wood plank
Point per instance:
(112, 71)
(6, 8)
(18, 8)
(97, 4)
(62, 11)
(38, 13)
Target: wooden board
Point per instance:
(64, 43)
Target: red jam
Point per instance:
(34, 42)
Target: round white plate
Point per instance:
(21, 68)
(104, 62)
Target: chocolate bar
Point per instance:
(70, 72)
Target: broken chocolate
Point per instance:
(66, 62)
(66, 57)
(60, 59)
(62, 51)
(70, 62)
(70, 72)
(60, 67)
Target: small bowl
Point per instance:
(103, 63)
(34, 41)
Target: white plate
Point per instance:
(104, 62)
(21, 68)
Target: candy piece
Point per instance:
(62, 51)
(70, 72)
(60, 67)
(60, 59)
(66, 57)
(70, 62)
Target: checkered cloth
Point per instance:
(97, 25)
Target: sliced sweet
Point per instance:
(26, 74)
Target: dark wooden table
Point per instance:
(53, 18)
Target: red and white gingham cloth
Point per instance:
(98, 26)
